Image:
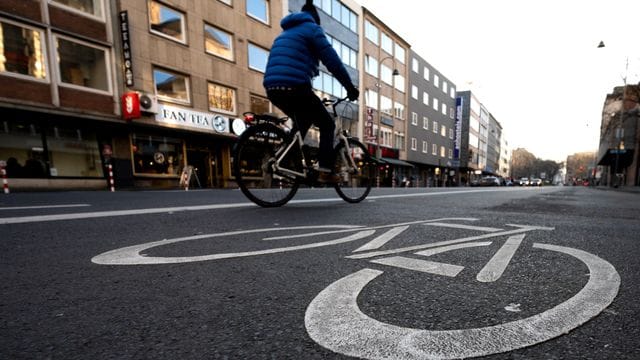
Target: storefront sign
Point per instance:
(457, 140)
(126, 49)
(130, 106)
(193, 119)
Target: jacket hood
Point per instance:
(296, 19)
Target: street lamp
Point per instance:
(395, 72)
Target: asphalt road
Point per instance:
(498, 273)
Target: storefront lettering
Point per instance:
(193, 119)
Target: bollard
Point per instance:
(111, 184)
(5, 183)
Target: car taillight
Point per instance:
(248, 118)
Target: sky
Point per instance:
(534, 64)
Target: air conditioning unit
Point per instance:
(148, 103)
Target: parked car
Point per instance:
(535, 182)
(523, 181)
(490, 181)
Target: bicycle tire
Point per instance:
(355, 184)
(253, 155)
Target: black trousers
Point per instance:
(304, 107)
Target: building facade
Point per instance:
(151, 88)
(619, 150)
(430, 125)
(385, 57)
(59, 94)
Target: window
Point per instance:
(221, 98)
(371, 98)
(400, 53)
(338, 11)
(228, 2)
(385, 104)
(436, 80)
(371, 32)
(171, 86)
(399, 139)
(443, 130)
(425, 98)
(371, 65)
(443, 108)
(257, 58)
(167, 22)
(22, 146)
(328, 84)
(445, 86)
(425, 147)
(347, 54)
(259, 10)
(157, 155)
(450, 133)
(442, 151)
(425, 123)
(425, 73)
(218, 42)
(452, 91)
(386, 74)
(434, 149)
(86, 7)
(435, 104)
(414, 92)
(22, 51)
(414, 119)
(73, 151)
(83, 65)
(414, 144)
(399, 111)
(386, 43)
(259, 105)
(399, 83)
(450, 154)
(435, 127)
(414, 65)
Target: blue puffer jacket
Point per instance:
(294, 55)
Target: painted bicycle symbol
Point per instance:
(334, 320)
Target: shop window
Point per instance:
(22, 51)
(73, 152)
(90, 7)
(222, 98)
(167, 22)
(218, 42)
(258, 9)
(22, 148)
(260, 105)
(258, 58)
(156, 155)
(83, 65)
(171, 86)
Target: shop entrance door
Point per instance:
(201, 162)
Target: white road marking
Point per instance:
(442, 249)
(42, 207)
(131, 255)
(99, 214)
(334, 320)
(382, 239)
(378, 227)
(431, 267)
(498, 263)
(522, 229)
(465, 227)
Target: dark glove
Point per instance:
(353, 93)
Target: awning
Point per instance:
(624, 158)
(395, 162)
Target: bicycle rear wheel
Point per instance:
(355, 182)
(254, 157)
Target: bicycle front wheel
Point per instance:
(356, 169)
(254, 159)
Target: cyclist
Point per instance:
(292, 64)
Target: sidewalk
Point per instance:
(628, 189)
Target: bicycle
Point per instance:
(270, 161)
